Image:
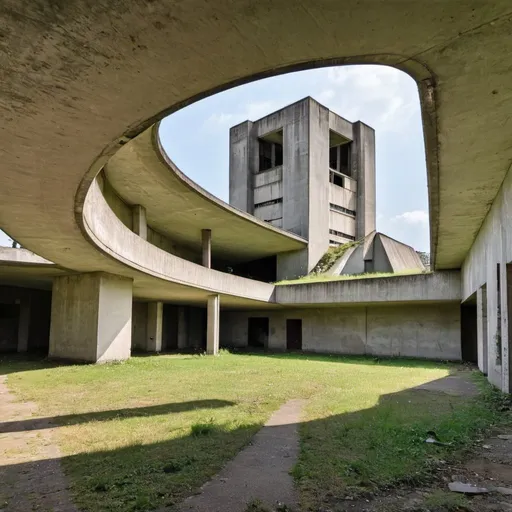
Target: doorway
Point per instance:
(9, 324)
(294, 334)
(258, 332)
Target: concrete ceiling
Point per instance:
(180, 209)
(78, 81)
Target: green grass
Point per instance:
(317, 278)
(446, 501)
(148, 432)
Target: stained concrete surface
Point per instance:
(259, 472)
(31, 477)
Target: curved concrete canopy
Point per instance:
(79, 81)
(177, 207)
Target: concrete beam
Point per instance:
(212, 335)
(91, 318)
(206, 235)
(140, 224)
(154, 327)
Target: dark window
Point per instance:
(333, 158)
(265, 155)
(342, 209)
(268, 203)
(339, 158)
(336, 179)
(345, 159)
(278, 148)
(339, 233)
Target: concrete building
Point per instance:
(85, 186)
(308, 171)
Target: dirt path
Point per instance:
(259, 472)
(30, 474)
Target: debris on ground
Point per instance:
(467, 488)
(433, 439)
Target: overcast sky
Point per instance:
(197, 137)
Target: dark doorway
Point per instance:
(294, 334)
(170, 327)
(9, 323)
(258, 332)
(468, 332)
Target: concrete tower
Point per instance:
(309, 171)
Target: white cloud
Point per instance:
(217, 120)
(325, 95)
(387, 97)
(413, 217)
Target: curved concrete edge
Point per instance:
(21, 256)
(436, 287)
(104, 230)
(218, 203)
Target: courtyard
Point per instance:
(147, 433)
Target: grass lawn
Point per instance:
(148, 432)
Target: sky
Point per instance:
(196, 138)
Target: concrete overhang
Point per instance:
(141, 173)
(419, 288)
(78, 83)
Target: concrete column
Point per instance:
(212, 334)
(481, 319)
(207, 247)
(363, 170)
(154, 327)
(24, 324)
(91, 318)
(140, 225)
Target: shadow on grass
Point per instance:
(345, 453)
(73, 419)
(401, 362)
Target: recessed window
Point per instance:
(339, 233)
(270, 151)
(341, 209)
(268, 203)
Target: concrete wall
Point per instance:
(319, 214)
(363, 169)
(426, 331)
(400, 256)
(240, 182)
(438, 286)
(493, 247)
(91, 318)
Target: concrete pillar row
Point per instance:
(91, 318)
(139, 221)
(213, 327)
(154, 326)
(206, 235)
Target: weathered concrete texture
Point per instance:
(437, 286)
(487, 265)
(91, 318)
(259, 472)
(12, 255)
(139, 222)
(299, 191)
(429, 331)
(178, 280)
(213, 327)
(378, 253)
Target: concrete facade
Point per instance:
(308, 171)
(91, 318)
(430, 331)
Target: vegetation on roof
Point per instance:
(317, 278)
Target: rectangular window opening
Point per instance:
(339, 233)
(268, 203)
(342, 209)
